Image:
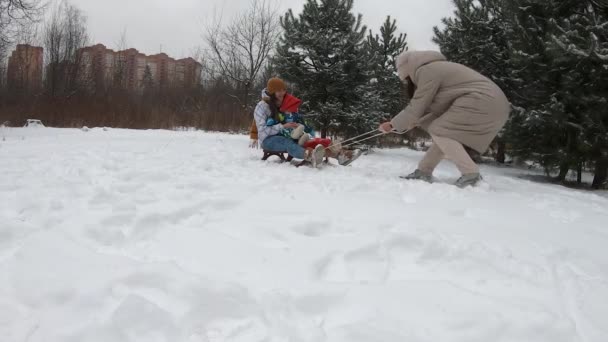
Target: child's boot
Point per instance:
(303, 139)
(298, 132)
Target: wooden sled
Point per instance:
(282, 156)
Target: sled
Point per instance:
(282, 155)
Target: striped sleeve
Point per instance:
(261, 115)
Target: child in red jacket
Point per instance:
(291, 105)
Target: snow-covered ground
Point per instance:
(119, 235)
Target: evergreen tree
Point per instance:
(561, 86)
(580, 38)
(321, 54)
(477, 36)
(382, 96)
(383, 50)
(533, 130)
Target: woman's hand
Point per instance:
(386, 127)
(291, 125)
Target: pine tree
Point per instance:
(383, 50)
(565, 122)
(539, 130)
(477, 36)
(580, 38)
(321, 54)
(382, 96)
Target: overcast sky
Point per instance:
(177, 24)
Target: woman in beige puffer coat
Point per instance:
(456, 105)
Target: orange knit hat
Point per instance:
(275, 84)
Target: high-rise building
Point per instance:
(127, 68)
(24, 70)
(192, 71)
(97, 66)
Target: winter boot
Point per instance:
(315, 156)
(419, 175)
(346, 157)
(303, 139)
(470, 179)
(297, 132)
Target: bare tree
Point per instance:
(15, 15)
(26, 73)
(239, 51)
(64, 35)
(3, 59)
(120, 61)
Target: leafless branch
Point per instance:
(239, 50)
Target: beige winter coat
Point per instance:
(451, 100)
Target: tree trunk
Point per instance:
(601, 172)
(579, 173)
(500, 153)
(563, 172)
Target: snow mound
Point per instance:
(33, 123)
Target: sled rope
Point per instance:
(354, 138)
(357, 139)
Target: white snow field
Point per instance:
(121, 235)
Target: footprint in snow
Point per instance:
(312, 228)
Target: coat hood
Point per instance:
(409, 62)
(291, 104)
